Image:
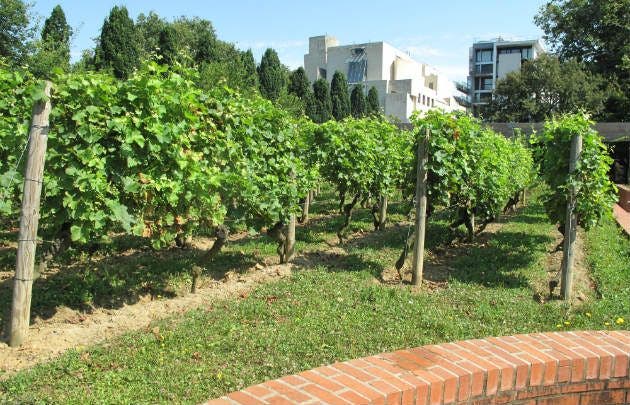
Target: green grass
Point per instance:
(336, 310)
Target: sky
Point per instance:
(438, 32)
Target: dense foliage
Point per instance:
(595, 193)
(595, 32)
(158, 157)
(373, 106)
(358, 104)
(271, 75)
(543, 87)
(54, 48)
(339, 96)
(118, 48)
(15, 31)
(319, 109)
(469, 166)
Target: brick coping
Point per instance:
(582, 367)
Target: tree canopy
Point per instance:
(118, 47)
(543, 87)
(595, 32)
(271, 75)
(339, 96)
(373, 106)
(320, 108)
(54, 47)
(358, 104)
(15, 31)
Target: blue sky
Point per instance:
(438, 33)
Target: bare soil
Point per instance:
(69, 328)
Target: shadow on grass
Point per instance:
(114, 281)
(498, 262)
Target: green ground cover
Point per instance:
(334, 307)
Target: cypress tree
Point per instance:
(320, 107)
(250, 76)
(118, 48)
(373, 107)
(339, 96)
(299, 84)
(56, 36)
(358, 106)
(271, 75)
(167, 45)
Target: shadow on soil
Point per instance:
(114, 281)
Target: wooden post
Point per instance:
(570, 225)
(306, 207)
(421, 210)
(27, 240)
(289, 246)
(382, 217)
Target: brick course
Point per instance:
(572, 368)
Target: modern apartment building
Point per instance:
(404, 85)
(490, 61)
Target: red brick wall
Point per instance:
(561, 368)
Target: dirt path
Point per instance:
(68, 328)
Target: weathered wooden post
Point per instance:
(421, 210)
(306, 207)
(27, 240)
(289, 246)
(382, 216)
(570, 225)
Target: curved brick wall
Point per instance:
(546, 368)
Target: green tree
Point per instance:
(167, 46)
(54, 47)
(319, 108)
(148, 29)
(339, 96)
(543, 87)
(271, 75)
(595, 32)
(15, 32)
(373, 107)
(250, 76)
(118, 48)
(358, 104)
(299, 84)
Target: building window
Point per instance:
(483, 55)
(483, 83)
(423, 100)
(321, 73)
(357, 71)
(432, 102)
(484, 69)
(526, 53)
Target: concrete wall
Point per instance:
(508, 62)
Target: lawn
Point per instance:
(335, 307)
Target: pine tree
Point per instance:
(56, 35)
(339, 96)
(358, 105)
(271, 75)
(167, 45)
(319, 108)
(53, 51)
(299, 84)
(118, 48)
(373, 107)
(250, 76)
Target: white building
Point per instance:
(490, 61)
(404, 85)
